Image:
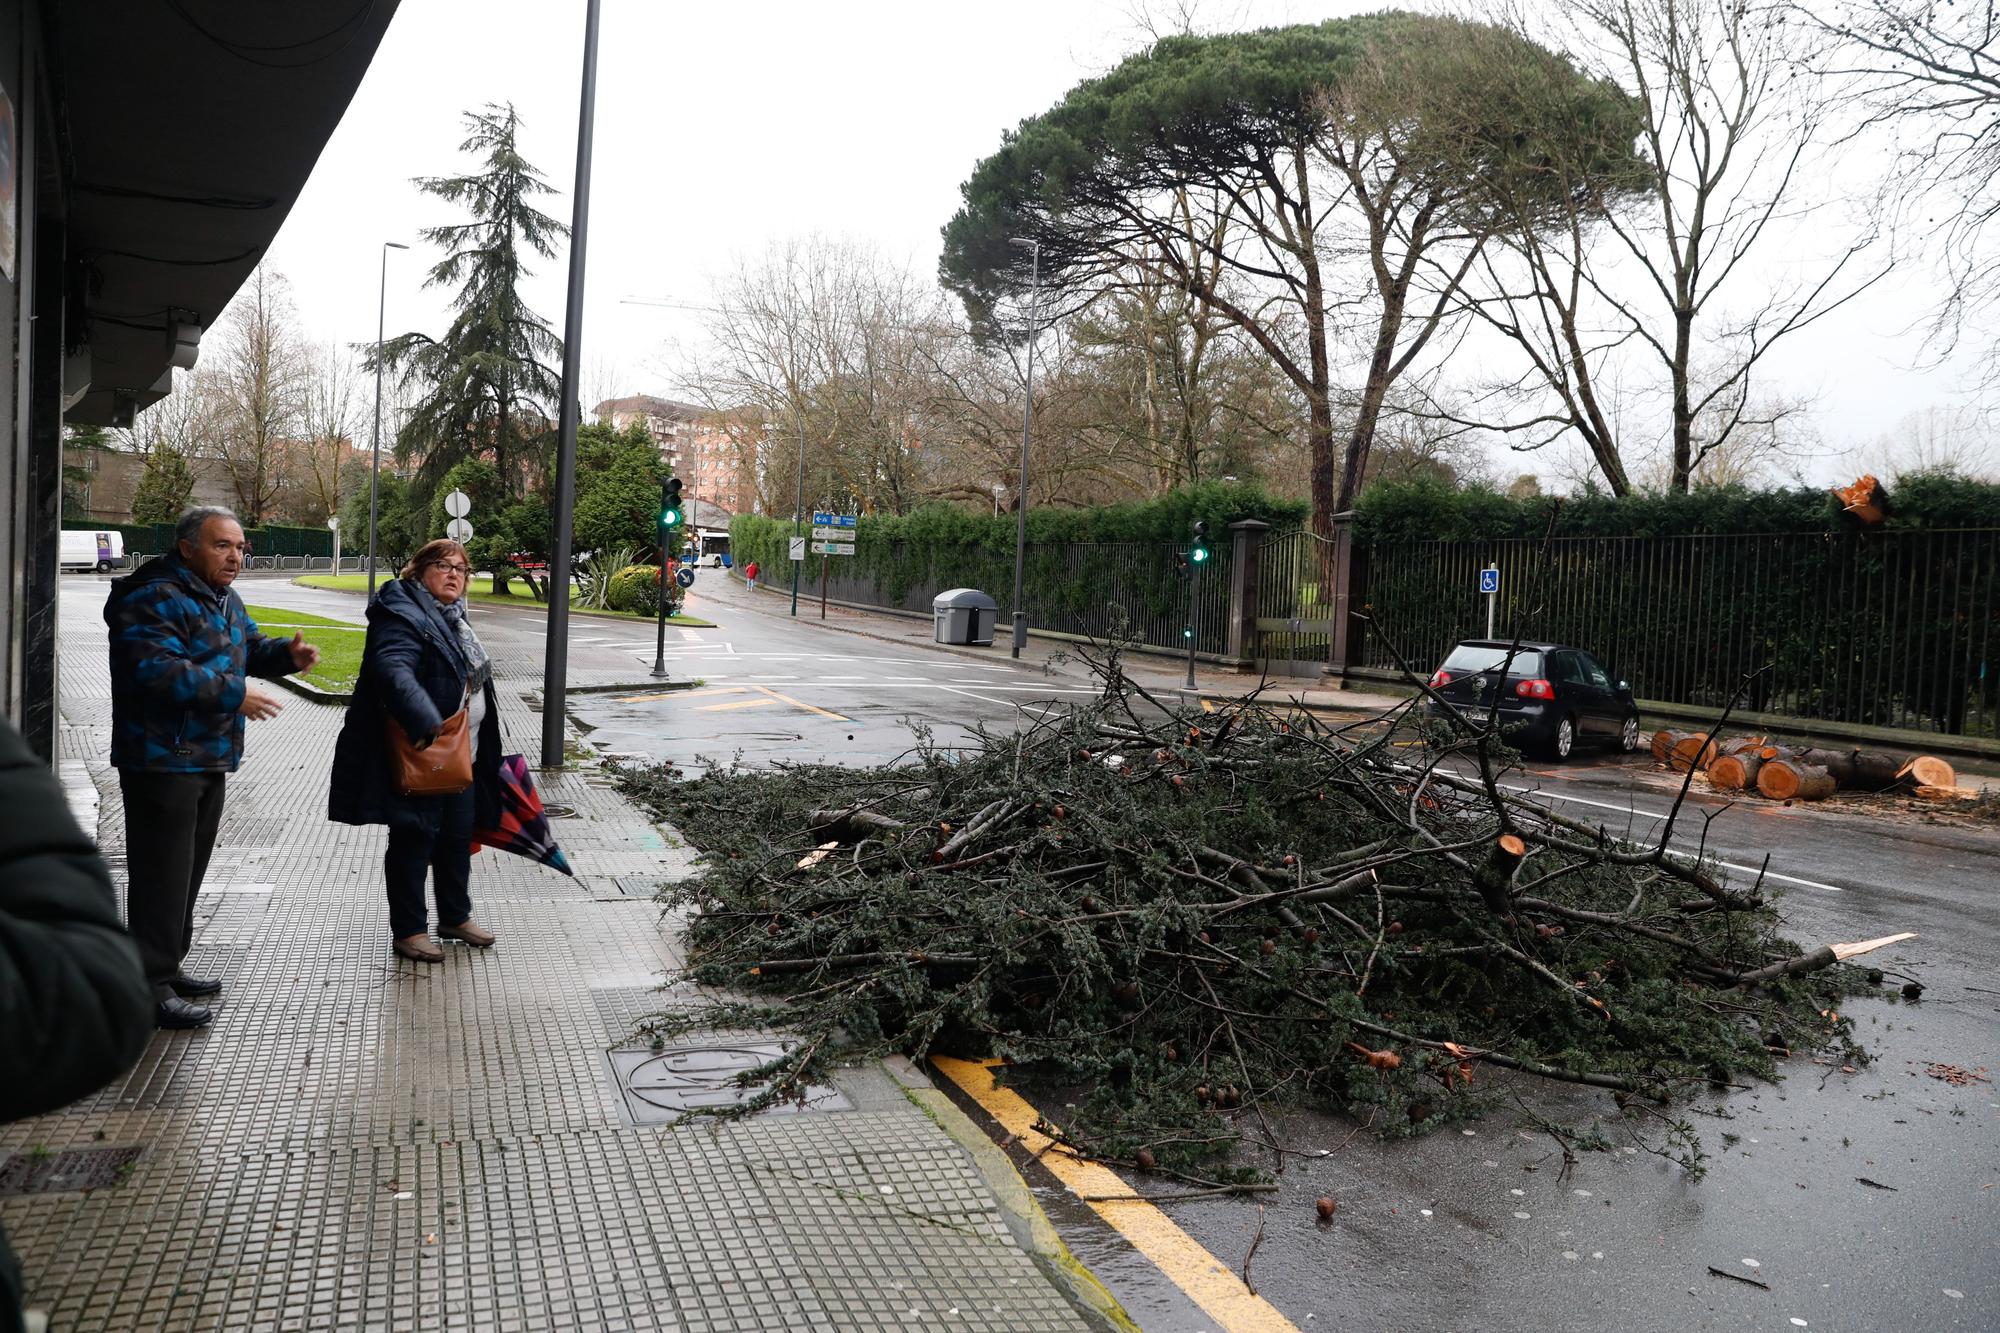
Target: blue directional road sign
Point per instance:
(1489, 580)
(824, 519)
(684, 576)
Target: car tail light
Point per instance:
(1535, 689)
(1440, 678)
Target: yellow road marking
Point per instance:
(1208, 1281)
(796, 703)
(739, 703)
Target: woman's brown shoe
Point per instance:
(468, 932)
(418, 949)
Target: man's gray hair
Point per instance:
(188, 527)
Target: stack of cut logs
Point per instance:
(1783, 773)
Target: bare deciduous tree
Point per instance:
(259, 378)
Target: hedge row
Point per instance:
(1429, 511)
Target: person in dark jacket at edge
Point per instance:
(75, 1009)
(422, 663)
(182, 647)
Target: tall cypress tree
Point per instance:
(488, 388)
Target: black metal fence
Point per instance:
(1893, 629)
(1134, 591)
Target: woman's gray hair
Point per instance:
(187, 528)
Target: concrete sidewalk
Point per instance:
(360, 1142)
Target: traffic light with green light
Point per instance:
(1199, 553)
(671, 513)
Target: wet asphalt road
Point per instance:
(1483, 1230)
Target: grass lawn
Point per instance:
(339, 643)
(482, 591)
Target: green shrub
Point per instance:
(636, 589)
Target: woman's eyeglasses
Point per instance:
(451, 568)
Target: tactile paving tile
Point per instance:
(337, 1077)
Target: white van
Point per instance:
(91, 550)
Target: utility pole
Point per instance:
(555, 662)
(1027, 425)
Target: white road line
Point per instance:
(998, 703)
(689, 634)
(1629, 810)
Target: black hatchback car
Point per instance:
(1552, 698)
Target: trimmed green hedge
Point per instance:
(1429, 511)
(943, 546)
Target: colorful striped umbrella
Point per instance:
(523, 826)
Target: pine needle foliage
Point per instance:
(1199, 916)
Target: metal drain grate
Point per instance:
(67, 1172)
(659, 1087)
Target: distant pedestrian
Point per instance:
(75, 1010)
(182, 649)
(750, 574)
(421, 665)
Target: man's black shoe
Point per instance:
(193, 988)
(178, 1013)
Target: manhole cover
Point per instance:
(659, 1087)
(559, 811)
(64, 1172)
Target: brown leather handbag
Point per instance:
(442, 768)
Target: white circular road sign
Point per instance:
(458, 530)
(458, 504)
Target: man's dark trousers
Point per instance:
(170, 823)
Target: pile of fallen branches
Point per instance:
(1195, 915)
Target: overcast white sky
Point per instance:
(722, 127)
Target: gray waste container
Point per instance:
(965, 615)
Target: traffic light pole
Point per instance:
(1194, 610)
(660, 608)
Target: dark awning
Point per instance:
(188, 129)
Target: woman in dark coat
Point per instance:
(421, 663)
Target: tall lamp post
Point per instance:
(799, 507)
(375, 469)
(555, 655)
(1027, 424)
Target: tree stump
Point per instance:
(1693, 750)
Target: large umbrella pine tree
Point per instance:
(1302, 183)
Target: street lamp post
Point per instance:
(799, 509)
(375, 468)
(1034, 249)
(555, 648)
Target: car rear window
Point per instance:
(1472, 657)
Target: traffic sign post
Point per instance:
(459, 530)
(333, 526)
(798, 547)
(458, 504)
(1489, 583)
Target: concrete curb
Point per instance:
(1030, 1226)
(314, 692)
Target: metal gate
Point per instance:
(1295, 574)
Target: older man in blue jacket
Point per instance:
(182, 649)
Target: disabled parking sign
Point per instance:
(1489, 579)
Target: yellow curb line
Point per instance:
(739, 703)
(1208, 1281)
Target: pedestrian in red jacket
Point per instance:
(750, 573)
